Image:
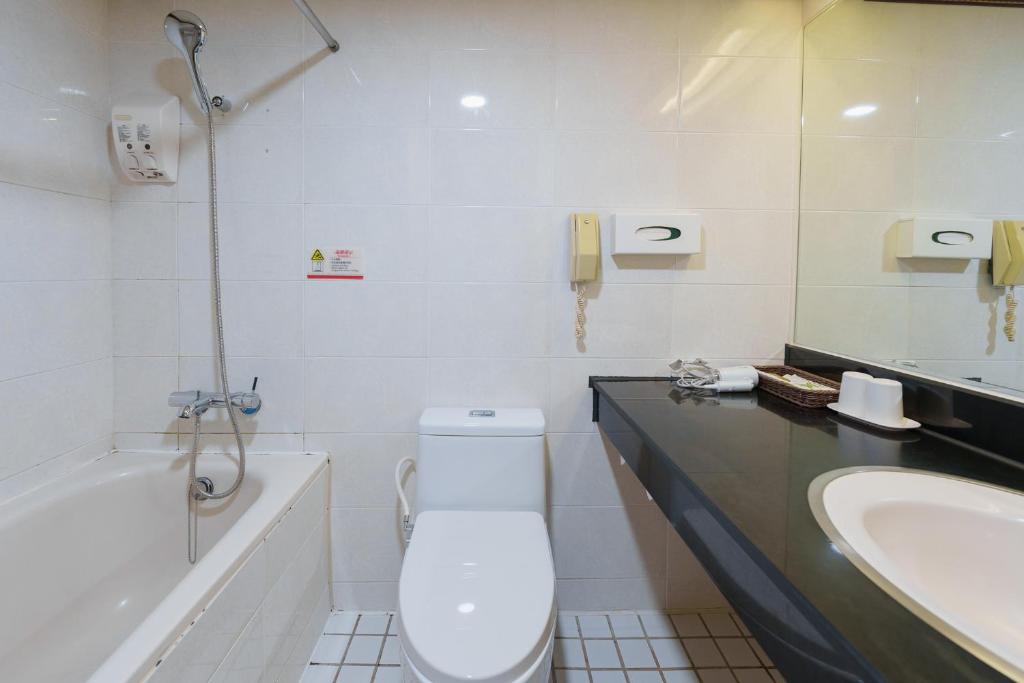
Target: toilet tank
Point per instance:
(478, 459)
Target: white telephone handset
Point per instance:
(584, 260)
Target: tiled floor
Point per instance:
(618, 647)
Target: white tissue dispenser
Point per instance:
(952, 238)
(146, 136)
(662, 233)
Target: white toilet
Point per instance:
(476, 599)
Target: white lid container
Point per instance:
(482, 422)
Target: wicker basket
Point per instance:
(772, 382)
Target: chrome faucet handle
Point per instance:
(179, 399)
(249, 402)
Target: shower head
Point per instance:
(187, 32)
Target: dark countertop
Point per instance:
(731, 473)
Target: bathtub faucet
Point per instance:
(194, 403)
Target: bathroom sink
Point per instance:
(950, 550)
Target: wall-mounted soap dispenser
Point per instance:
(146, 135)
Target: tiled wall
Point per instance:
(943, 139)
(56, 387)
(658, 104)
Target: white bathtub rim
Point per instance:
(149, 642)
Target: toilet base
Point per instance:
(540, 672)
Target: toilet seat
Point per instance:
(476, 598)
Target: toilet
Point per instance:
(476, 597)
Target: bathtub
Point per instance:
(95, 584)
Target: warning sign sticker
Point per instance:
(337, 263)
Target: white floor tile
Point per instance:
(644, 677)
(566, 626)
(341, 622)
(594, 626)
(388, 674)
(608, 676)
(601, 654)
(670, 653)
(680, 676)
(636, 654)
(737, 652)
(372, 624)
(703, 652)
(329, 649)
(626, 626)
(356, 674)
(391, 653)
(568, 654)
(318, 674)
(720, 624)
(658, 625)
(689, 625)
(571, 676)
(364, 649)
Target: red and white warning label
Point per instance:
(338, 263)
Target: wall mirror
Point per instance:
(913, 140)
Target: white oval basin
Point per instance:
(951, 550)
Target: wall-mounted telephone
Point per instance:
(1008, 267)
(584, 260)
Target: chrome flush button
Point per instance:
(481, 413)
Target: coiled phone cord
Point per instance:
(581, 303)
(1010, 317)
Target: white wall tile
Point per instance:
(46, 234)
(728, 171)
(488, 320)
(614, 168)
(491, 244)
(363, 467)
(743, 247)
(365, 394)
(730, 321)
(738, 94)
(365, 319)
(368, 87)
(35, 433)
(393, 238)
(858, 97)
(260, 318)
(571, 402)
(617, 26)
(141, 388)
(503, 167)
(646, 87)
(608, 542)
(366, 165)
(517, 89)
(585, 470)
(373, 542)
(850, 248)
(764, 28)
(254, 164)
(876, 174)
(257, 241)
(489, 382)
(144, 242)
(145, 318)
(622, 321)
(53, 324)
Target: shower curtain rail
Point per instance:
(317, 24)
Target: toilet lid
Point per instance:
(476, 599)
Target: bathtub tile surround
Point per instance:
(463, 213)
(647, 647)
(55, 231)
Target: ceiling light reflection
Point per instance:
(860, 110)
(473, 101)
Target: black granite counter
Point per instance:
(731, 474)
